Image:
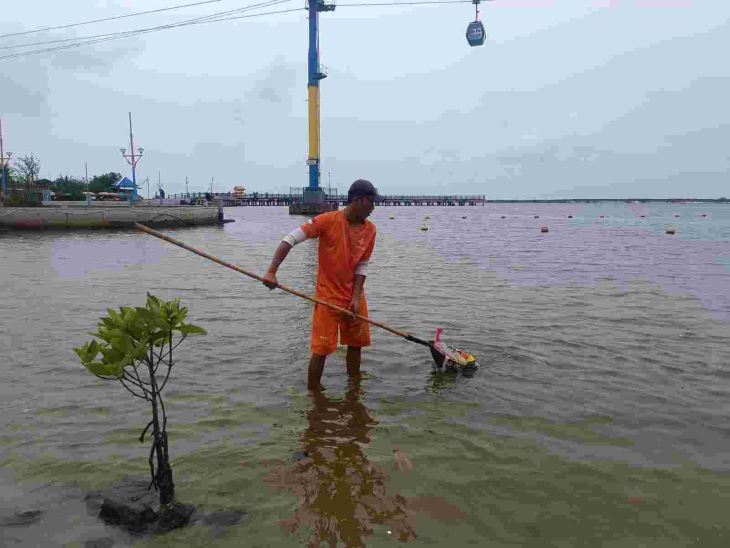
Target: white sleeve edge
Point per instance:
(362, 268)
(295, 237)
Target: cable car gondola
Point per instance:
(475, 33)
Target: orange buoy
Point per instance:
(543, 229)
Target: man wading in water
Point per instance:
(346, 242)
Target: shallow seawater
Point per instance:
(598, 416)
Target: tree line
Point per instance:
(24, 187)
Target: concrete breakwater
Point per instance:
(107, 216)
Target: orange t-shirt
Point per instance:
(341, 248)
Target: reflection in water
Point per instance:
(343, 494)
(442, 379)
(439, 380)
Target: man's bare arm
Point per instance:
(280, 254)
(295, 237)
(357, 286)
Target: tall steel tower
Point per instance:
(313, 197)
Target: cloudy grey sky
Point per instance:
(567, 98)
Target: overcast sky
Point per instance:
(567, 98)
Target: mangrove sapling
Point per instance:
(136, 349)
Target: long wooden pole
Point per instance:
(232, 266)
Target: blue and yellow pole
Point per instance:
(4, 161)
(313, 92)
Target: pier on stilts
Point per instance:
(334, 200)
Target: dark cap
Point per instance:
(363, 187)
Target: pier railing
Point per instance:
(229, 199)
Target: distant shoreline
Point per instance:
(616, 200)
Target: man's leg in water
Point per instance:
(316, 367)
(355, 334)
(323, 342)
(353, 360)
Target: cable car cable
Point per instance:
(202, 18)
(95, 39)
(127, 35)
(414, 3)
(109, 18)
(212, 18)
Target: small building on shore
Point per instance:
(126, 189)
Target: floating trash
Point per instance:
(451, 357)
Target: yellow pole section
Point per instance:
(313, 122)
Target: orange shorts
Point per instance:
(326, 322)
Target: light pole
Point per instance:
(4, 162)
(132, 158)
